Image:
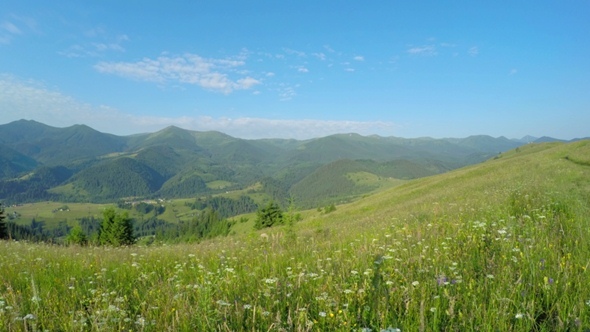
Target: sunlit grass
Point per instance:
(496, 247)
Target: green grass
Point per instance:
(501, 246)
(49, 212)
(219, 184)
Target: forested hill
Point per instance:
(78, 163)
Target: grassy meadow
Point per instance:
(499, 246)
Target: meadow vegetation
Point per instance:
(499, 246)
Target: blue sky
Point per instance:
(300, 69)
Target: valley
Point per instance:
(495, 245)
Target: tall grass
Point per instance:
(498, 247)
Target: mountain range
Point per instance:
(78, 163)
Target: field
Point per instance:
(499, 246)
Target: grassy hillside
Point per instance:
(344, 180)
(497, 246)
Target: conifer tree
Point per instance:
(269, 216)
(3, 229)
(116, 229)
(77, 236)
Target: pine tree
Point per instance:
(77, 236)
(3, 229)
(123, 230)
(269, 216)
(116, 229)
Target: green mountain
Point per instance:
(345, 179)
(121, 177)
(13, 163)
(58, 146)
(498, 246)
(174, 162)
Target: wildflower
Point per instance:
(415, 283)
(322, 314)
(391, 329)
(29, 316)
(247, 306)
(518, 316)
(270, 280)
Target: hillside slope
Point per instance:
(203, 160)
(501, 245)
(498, 246)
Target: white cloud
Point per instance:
(359, 58)
(320, 56)
(350, 70)
(96, 48)
(473, 51)
(16, 26)
(302, 69)
(11, 28)
(32, 100)
(513, 71)
(294, 52)
(286, 92)
(210, 74)
(286, 128)
(427, 50)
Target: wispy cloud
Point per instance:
(294, 52)
(15, 26)
(98, 45)
(286, 92)
(426, 50)
(287, 128)
(320, 55)
(210, 74)
(473, 51)
(359, 58)
(32, 100)
(329, 48)
(11, 28)
(302, 69)
(513, 71)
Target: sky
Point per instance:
(300, 69)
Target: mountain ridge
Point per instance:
(176, 162)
